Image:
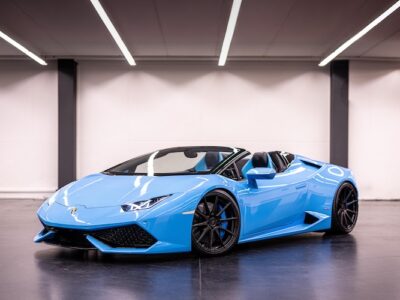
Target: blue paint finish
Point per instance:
(259, 174)
(43, 235)
(276, 207)
(249, 165)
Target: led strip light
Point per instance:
(22, 49)
(106, 20)
(230, 29)
(359, 35)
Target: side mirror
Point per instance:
(259, 173)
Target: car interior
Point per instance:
(209, 161)
(237, 171)
(277, 160)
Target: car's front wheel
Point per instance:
(216, 224)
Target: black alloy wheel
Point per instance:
(345, 209)
(216, 224)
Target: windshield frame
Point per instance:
(235, 152)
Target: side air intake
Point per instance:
(310, 219)
(311, 164)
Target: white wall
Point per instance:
(28, 129)
(125, 111)
(374, 133)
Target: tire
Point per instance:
(345, 209)
(216, 224)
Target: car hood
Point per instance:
(100, 190)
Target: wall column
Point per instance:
(67, 73)
(339, 127)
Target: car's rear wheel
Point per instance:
(216, 224)
(345, 209)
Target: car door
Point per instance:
(276, 203)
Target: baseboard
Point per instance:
(379, 200)
(40, 194)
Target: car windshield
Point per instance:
(175, 161)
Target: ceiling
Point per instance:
(194, 29)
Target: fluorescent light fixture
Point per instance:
(22, 48)
(229, 32)
(359, 35)
(106, 20)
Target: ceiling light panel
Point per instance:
(359, 35)
(114, 33)
(230, 29)
(21, 48)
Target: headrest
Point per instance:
(260, 160)
(211, 159)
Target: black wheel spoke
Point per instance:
(351, 211)
(352, 202)
(348, 196)
(211, 237)
(347, 218)
(222, 210)
(342, 218)
(228, 219)
(207, 209)
(215, 207)
(219, 237)
(226, 230)
(200, 224)
(199, 213)
(203, 234)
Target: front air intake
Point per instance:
(128, 237)
(131, 236)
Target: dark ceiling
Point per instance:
(170, 29)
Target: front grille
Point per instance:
(69, 238)
(132, 236)
(127, 236)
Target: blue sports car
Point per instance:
(201, 198)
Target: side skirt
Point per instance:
(322, 222)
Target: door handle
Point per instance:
(301, 186)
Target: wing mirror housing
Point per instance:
(259, 174)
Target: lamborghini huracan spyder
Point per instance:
(201, 198)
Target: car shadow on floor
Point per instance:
(250, 269)
(283, 244)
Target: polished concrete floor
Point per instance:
(363, 265)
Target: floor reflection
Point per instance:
(362, 265)
(269, 269)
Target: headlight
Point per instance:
(144, 204)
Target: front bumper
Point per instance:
(109, 230)
(131, 236)
(128, 239)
